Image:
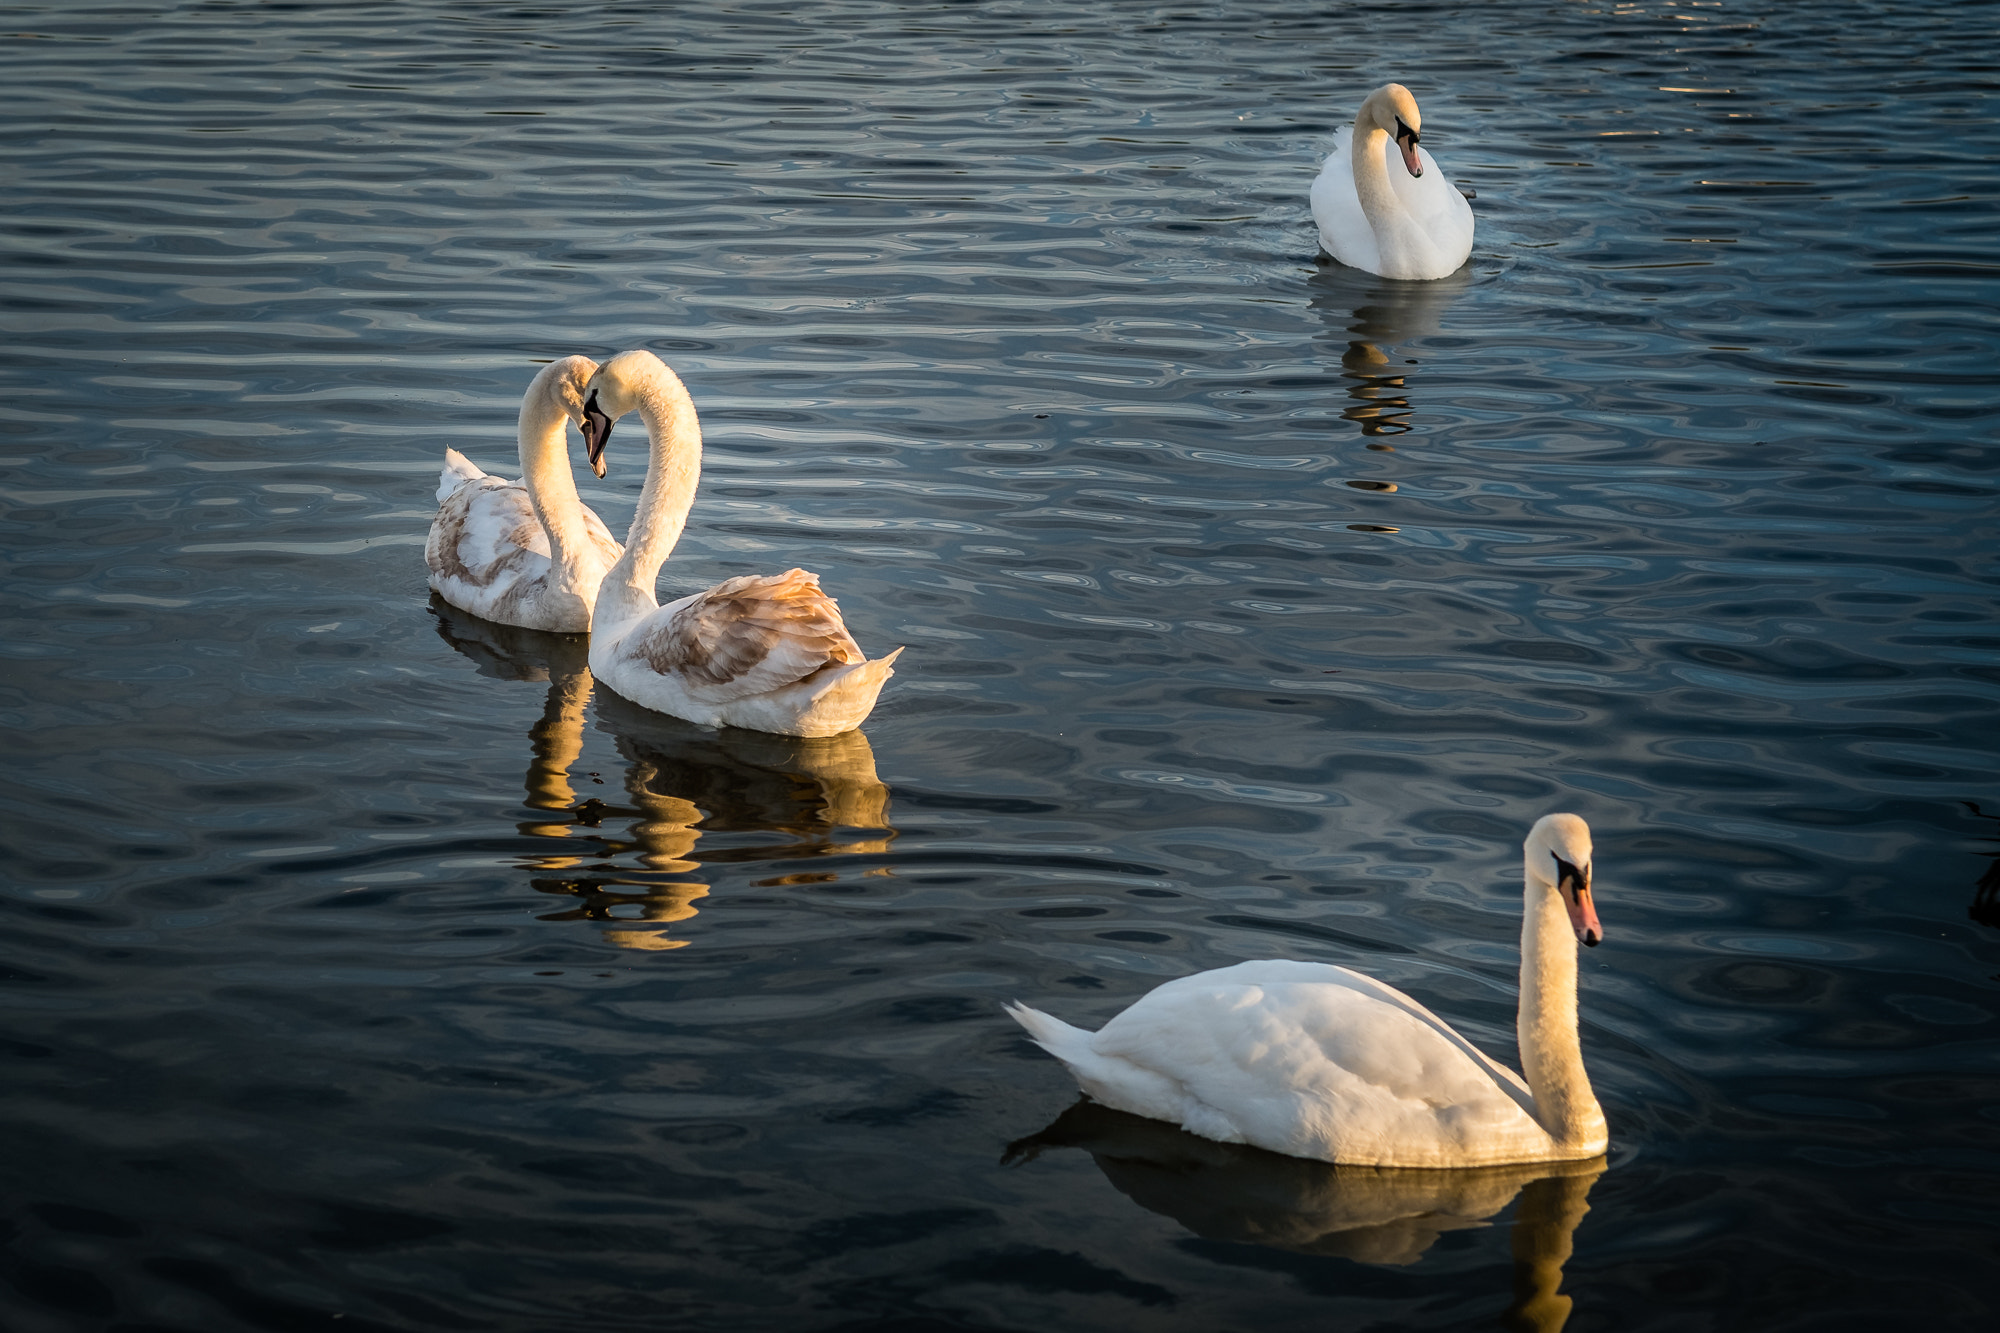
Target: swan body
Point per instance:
(525, 552)
(1317, 1061)
(1396, 219)
(767, 652)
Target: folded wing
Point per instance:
(748, 636)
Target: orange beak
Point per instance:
(1406, 140)
(1582, 912)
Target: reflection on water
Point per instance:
(1985, 907)
(681, 782)
(1373, 1215)
(1373, 316)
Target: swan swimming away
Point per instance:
(1400, 220)
(767, 652)
(1313, 1060)
(524, 552)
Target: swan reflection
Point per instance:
(1373, 1215)
(1373, 316)
(628, 863)
(1985, 907)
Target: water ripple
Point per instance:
(364, 961)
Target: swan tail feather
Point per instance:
(843, 699)
(1070, 1045)
(458, 469)
(860, 682)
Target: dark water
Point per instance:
(363, 971)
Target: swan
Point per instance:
(767, 652)
(1315, 1061)
(524, 552)
(1403, 221)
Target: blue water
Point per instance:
(365, 968)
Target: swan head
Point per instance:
(613, 390)
(561, 384)
(1391, 109)
(1557, 855)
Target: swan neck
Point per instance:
(673, 470)
(1368, 156)
(545, 472)
(1551, 1052)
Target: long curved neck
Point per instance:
(551, 488)
(1369, 162)
(1402, 246)
(673, 470)
(1551, 1054)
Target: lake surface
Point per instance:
(364, 968)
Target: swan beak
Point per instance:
(1575, 887)
(1583, 916)
(596, 434)
(1406, 139)
(1411, 161)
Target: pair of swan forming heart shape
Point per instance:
(767, 652)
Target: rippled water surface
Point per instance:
(365, 968)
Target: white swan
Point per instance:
(1316, 1061)
(524, 552)
(765, 652)
(1402, 221)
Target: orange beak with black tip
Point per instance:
(1406, 139)
(1574, 885)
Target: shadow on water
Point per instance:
(682, 783)
(1373, 316)
(1985, 907)
(1372, 1215)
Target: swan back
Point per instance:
(1306, 1059)
(748, 635)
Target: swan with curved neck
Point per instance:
(765, 652)
(525, 552)
(1315, 1061)
(1398, 219)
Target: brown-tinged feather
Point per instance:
(750, 635)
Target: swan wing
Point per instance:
(746, 636)
(486, 535)
(1314, 1061)
(1344, 232)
